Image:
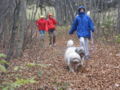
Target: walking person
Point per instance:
(83, 25)
(51, 30)
(42, 28)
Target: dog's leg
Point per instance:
(77, 67)
(69, 65)
(82, 61)
(71, 68)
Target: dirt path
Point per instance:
(103, 70)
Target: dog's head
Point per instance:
(80, 51)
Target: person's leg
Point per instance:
(40, 32)
(44, 32)
(50, 37)
(82, 42)
(86, 47)
(52, 32)
(54, 37)
(42, 35)
(87, 52)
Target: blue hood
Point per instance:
(81, 7)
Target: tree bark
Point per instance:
(22, 28)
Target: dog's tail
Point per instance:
(70, 43)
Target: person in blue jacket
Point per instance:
(84, 26)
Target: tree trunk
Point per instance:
(118, 20)
(22, 28)
(18, 29)
(11, 48)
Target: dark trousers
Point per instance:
(52, 37)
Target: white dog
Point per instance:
(72, 56)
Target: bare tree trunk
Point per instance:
(22, 28)
(18, 29)
(57, 8)
(14, 30)
(118, 20)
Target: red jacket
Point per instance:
(51, 23)
(42, 24)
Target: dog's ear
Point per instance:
(80, 51)
(76, 50)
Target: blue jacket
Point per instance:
(83, 25)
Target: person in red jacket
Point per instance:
(42, 27)
(51, 29)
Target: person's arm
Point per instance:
(92, 28)
(54, 21)
(74, 26)
(46, 26)
(36, 22)
(91, 25)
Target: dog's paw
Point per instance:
(71, 70)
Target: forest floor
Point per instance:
(49, 69)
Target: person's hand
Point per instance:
(92, 38)
(92, 41)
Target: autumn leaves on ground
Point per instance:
(45, 69)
